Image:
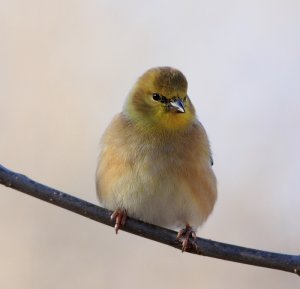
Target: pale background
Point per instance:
(65, 69)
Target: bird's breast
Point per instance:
(167, 182)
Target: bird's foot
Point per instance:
(119, 216)
(187, 237)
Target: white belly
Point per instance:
(151, 194)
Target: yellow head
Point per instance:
(159, 100)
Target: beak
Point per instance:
(177, 105)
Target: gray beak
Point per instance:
(177, 105)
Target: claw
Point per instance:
(187, 237)
(119, 216)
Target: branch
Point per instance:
(289, 263)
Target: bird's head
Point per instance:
(159, 100)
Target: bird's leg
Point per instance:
(119, 216)
(187, 237)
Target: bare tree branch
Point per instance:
(289, 263)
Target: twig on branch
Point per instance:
(289, 263)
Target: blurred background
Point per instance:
(65, 70)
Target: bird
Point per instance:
(155, 161)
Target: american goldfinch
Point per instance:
(155, 160)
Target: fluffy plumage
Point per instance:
(155, 159)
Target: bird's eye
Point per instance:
(156, 96)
